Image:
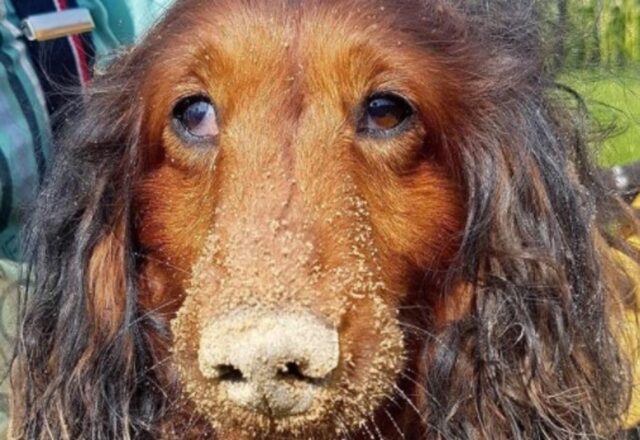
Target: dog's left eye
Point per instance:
(195, 119)
(383, 113)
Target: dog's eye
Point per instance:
(383, 113)
(195, 119)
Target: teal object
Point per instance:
(24, 126)
(122, 22)
(24, 121)
(119, 23)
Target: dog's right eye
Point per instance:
(195, 120)
(383, 114)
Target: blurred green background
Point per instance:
(597, 52)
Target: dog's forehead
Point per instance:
(237, 25)
(281, 43)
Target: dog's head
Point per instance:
(319, 217)
(300, 183)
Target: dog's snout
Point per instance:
(269, 362)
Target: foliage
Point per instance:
(614, 102)
(598, 32)
(597, 47)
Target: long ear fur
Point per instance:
(536, 356)
(81, 366)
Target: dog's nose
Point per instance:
(274, 363)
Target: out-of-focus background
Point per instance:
(596, 46)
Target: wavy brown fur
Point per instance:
(531, 355)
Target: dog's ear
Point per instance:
(106, 279)
(81, 352)
(536, 344)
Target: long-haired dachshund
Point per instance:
(322, 219)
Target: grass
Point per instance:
(614, 100)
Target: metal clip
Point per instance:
(42, 27)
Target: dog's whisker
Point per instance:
(395, 424)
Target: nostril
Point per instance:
(277, 364)
(229, 373)
(295, 372)
(291, 370)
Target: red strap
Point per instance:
(79, 52)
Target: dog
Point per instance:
(323, 219)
